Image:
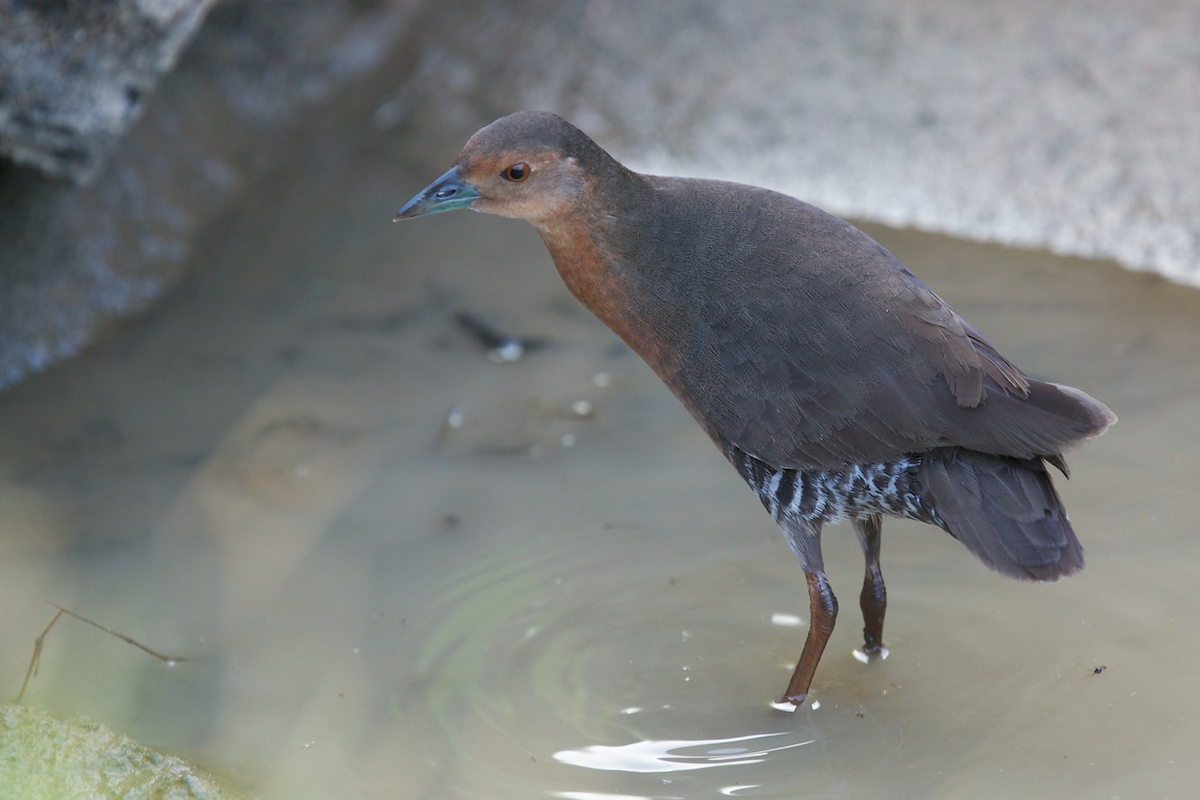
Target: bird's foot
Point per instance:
(790, 703)
(868, 653)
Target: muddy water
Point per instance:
(402, 570)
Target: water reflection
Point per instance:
(677, 755)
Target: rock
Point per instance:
(75, 75)
(74, 257)
(44, 755)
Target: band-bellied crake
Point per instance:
(835, 382)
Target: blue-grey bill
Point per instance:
(445, 194)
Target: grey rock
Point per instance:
(1068, 126)
(75, 75)
(73, 258)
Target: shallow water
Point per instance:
(549, 599)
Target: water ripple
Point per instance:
(531, 662)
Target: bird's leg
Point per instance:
(874, 595)
(805, 540)
(823, 608)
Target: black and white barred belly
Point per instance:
(859, 490)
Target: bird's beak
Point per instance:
(445, 194)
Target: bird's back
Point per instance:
(798, 339)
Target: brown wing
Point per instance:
(807, 345)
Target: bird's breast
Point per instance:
(619, 295)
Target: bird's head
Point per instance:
(529, 165)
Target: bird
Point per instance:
(837, 384)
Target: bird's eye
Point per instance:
(517, 172)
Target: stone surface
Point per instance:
(75, 75)
(73, 258)
(1069, 126)
(43, 755)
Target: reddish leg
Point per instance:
(823, 608)
(873, 599)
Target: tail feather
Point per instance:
(1050, 420)
(1005, 510)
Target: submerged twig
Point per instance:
(36, 658)
(121, 636)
